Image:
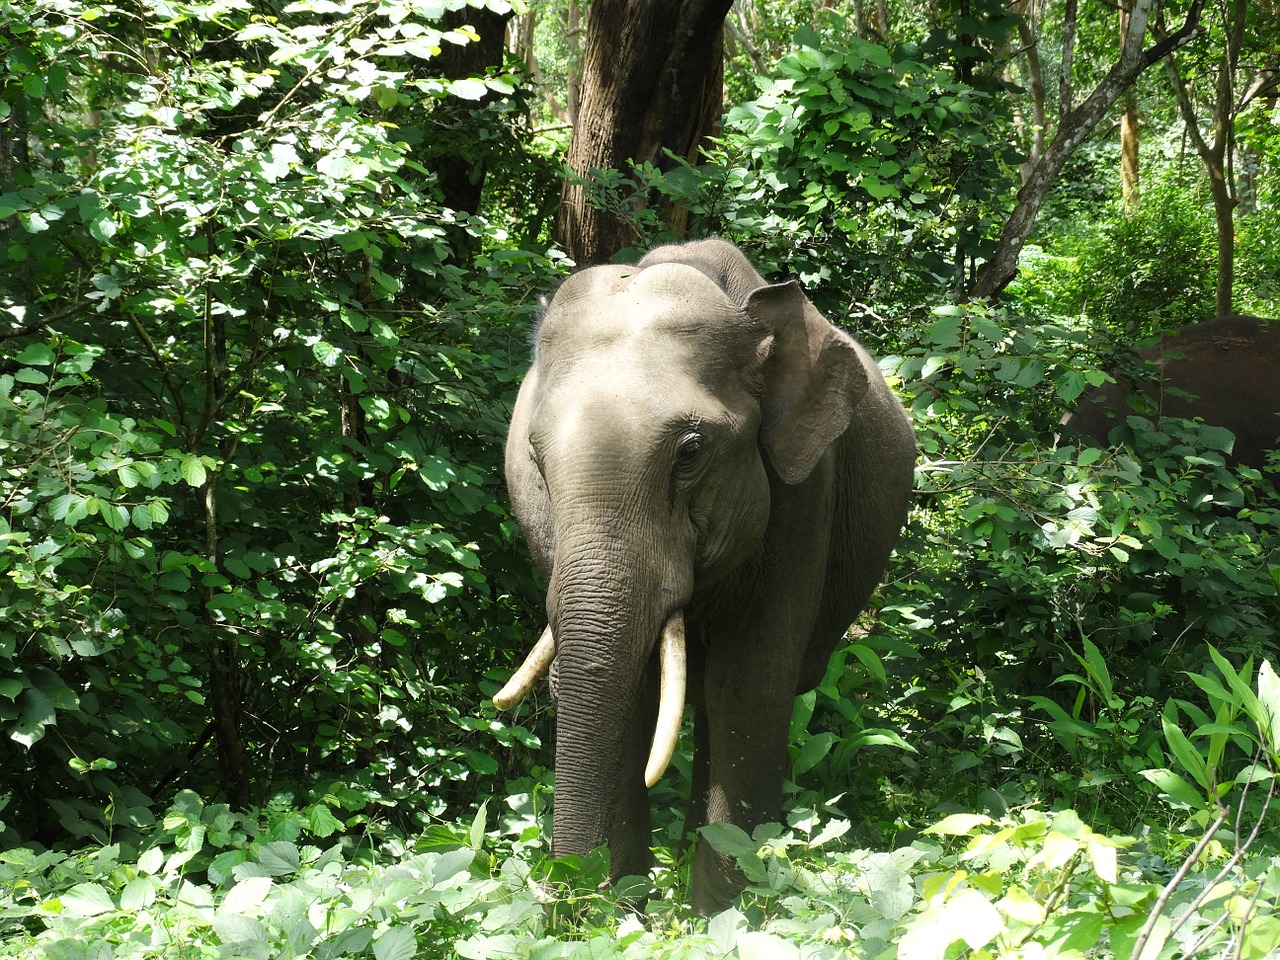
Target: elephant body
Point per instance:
(694, 446)
(1227, 366)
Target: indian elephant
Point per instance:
(711, 477)
(1229, 368)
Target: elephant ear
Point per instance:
(814, 378)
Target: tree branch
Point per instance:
(1073, 129)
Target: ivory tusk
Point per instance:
(530, 672)
(670, 699)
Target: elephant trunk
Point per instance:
(608, 614)
(672, 670)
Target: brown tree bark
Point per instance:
(1129, 133)
(1073, 129)
(652, 76)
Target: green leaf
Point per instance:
(812, 752)
(37, 355)
(1184, 752)
(234, 929)
(246, 896)
(959, 824)
(397, 943)
(35, 712)
(326, 353)
(86, 900)
(193, 471)
(138, 894)
(321, 821)
(279, 858)
(728, 839)
(1174, 787)
(468, 89)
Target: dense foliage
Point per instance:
(259, 575)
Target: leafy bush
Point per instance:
(1133, 275)
(219, 883)
(252, 407)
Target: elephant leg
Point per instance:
(696, 815)
(748, 727)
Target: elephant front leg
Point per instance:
(748, 726)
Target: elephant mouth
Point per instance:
(671, 659)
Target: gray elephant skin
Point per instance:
(1228, 366)
(710, 477)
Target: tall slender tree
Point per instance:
(1215, 148)
(1075, 125)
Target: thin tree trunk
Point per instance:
(1073, 129)
(573, 34)
(1129, 183)
(1215, 152)
(461, 174)
(225, 680)
(1035, 76)
(1066, 88)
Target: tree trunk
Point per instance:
(225, 679)
(461, 173)
(1215, 153)
(651, 82)
(1035, 75)
(1129, 185)
(1073, 129)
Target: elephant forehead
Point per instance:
(631, 409)
(604, 305)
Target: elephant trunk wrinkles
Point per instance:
(607, 616)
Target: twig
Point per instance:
(1162, 901)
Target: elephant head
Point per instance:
(666, 405)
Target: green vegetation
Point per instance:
(258, 575)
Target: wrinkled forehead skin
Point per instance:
(664, 319)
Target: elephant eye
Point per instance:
(689, 449)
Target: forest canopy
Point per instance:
(268, 276)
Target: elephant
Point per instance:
(1227, 366)
(710, 477)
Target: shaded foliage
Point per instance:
(252, 409)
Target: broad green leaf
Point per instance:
(279, 858)
(959, 824)
(1103, 858)
(467, 89)
(151, 860)
(37, 355)
(397, 943)
(193, 471)
(724, 928)
(812, 752)
(233, 929)
(35, 712)
(138, 894)
(246, 896)
(321, 821)
(1019, 905)
(728, 839)
(86, 900)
